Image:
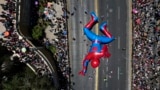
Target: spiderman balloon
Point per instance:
(99, 47)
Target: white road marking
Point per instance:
(107, 15)
(107, 65)
(81, 3)
(106, 84)
(107, 6)
(107, 60)
(110, 10)
(118, 12)
(118, 73)
(119, 42)
(107, 69)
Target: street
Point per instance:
(114, 68)
(78, 47)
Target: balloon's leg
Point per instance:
(103, 29)
(92, 22)
(84, 70)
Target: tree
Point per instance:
(13, 84)
(27, 80)
(37, 32)
(52, 49)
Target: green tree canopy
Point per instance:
(37, 32)
(27, 80)
(52, 49)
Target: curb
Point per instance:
(129, 66)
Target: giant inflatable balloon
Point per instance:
(95, 63)
(99, 46)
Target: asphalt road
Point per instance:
(115, 13)
(79, 46)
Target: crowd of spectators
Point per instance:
(146, 45)
(59, 29)
(58, 39)
(25, 51)
(19, 45)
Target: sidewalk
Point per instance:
(51, 30)
(2, 28)
(57, 36)
(129, 87)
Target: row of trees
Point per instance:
(41, 24)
